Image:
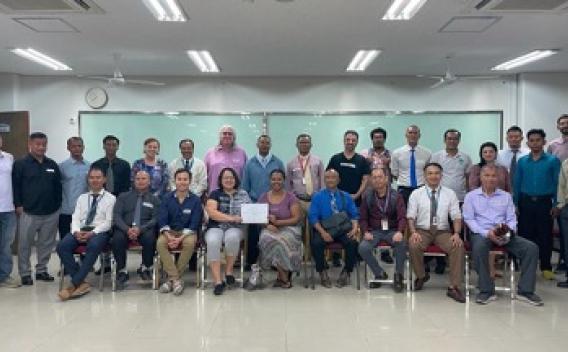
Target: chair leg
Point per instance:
(242, 269)
(198, 270)
(113, 273)
(61, 276)
(102, 277)
(156, 272)
(466, 276)
(357, 273)
(512, 278)
(408, 276)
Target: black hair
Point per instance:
(353, 132)
(452, 130)
(303, 135)
(515, 128)
(110, 137)
(186, 140)
(378, 130)
(182, 171)
(538, 131)
(433, 164)
(235, 175)
(483, 146)
(37, 135)
(278, 171)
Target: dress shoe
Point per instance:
(419, 282)
(563, 284)
(324, 279)
(44, 277)
(455, 294)
(398, 285)
(343, 280)
(27, 281)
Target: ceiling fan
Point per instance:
(118, 79)
(450, 78)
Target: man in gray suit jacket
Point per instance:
(135, 216)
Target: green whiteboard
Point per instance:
(326, 129)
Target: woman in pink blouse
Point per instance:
(488, 155)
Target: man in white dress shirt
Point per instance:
(90, 226)
(509, 156)
(190, 163)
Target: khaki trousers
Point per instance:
(175, 271)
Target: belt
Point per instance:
(547, 197)
(408, 187)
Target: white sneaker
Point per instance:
(178, 287)
(10, 282)
(166, 287)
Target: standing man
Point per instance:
(489, 213)
(7, 220)
(225, 154)
(36, 182)
(408, 162)
(429, 208)
(304, 173)
(91, 226)
(535, 187)
(135, 216)
(74, 182)
(378, 156)
(117, 170)
(509, 157)
(190, 163)
(256, 182)
(559, 147)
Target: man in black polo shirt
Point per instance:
(36, 183)
(117, 170)
(353, 172)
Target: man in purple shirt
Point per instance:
(225, 154)
(489, 213)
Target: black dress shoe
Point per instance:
(419, 283)
(398, 285)
(562, 284)
(44, 277)
(440, 266)
(27, 281)
(455, 294)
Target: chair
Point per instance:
(335, 246)
(134, 246)
(158, 273)
(202, 270)
(383, 245)
(81, 250)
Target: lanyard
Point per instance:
(385, 207)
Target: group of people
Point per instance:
(408, 198)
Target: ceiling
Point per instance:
(270, 38)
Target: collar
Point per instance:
(429, 189)
(101, 193)
(267, 158)
(304, 157)
(2, 154)
(75, 161)
(479, 191)
(458, 153)
(182, 159)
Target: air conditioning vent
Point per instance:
(48, 7)
(520, 6)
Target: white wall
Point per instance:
(543, 97)
(52, 102)
(7, 91)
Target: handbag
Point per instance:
(338, 223)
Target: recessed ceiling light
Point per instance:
(362, 59)
(204, 61)
(403, 9)
(524, 59)
(41, 59)
(166, 10)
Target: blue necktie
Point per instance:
(413, 182)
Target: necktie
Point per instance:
(308, 177)
(186, 165)
(137, 211)
(513, 166)
(413, 181)
(433, 210)
(110, 179)
(334, 208)
(92, 210)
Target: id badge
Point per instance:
(435, 221)
(303, 180)
(384, 224)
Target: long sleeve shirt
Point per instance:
(373, 210)
(296, 175)
(537, 177)
(159, 175)
(256, 179)
(562, 190)
(198, 174)
(125, 208)
(178, 216)
(6, 195)
(483, 212)
(74, 182)
(218, 158)
(320, 208)
(36, 185)
(120, 172)
(103, 216)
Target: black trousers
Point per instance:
(405, 192)
(64, 225)
(119, 244)
(535, 224)
(252, 245)
(318, 250)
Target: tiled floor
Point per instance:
(299, 319)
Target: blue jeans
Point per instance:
(67, 246)
(526, 251)
(7, 233)
(399, 249)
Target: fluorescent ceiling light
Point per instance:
(362, 59)
(403, 9)
(41, 59)
(524, 59)
(203, 60)
(166, 10)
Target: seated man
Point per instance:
(179, 220)
(135, 217)
(489, 213)
(383, 218)
(428, 209)
(90, 226)
(325, 204)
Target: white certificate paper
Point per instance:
(254, 213)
